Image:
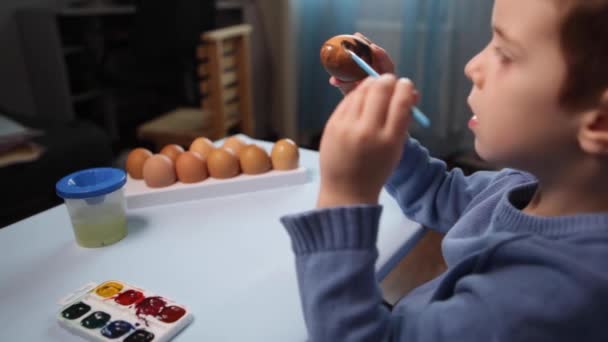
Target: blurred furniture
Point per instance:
(63, 50)
(156, 71)
(421, 264)
(68, 146)
(116, 65)
(225, 86)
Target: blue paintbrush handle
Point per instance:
(422, 119)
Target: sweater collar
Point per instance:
(510, 217)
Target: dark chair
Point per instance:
(156, 70)
(225, 86)
(28, 188)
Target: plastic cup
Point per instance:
(96, 203)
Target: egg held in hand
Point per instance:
(285, 155)
(339, 63)
(135, 162)
(222, 163)
(190, 167)
(254, 160)
(159, 171)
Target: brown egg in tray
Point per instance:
(205, 169)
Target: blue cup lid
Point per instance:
(91, 182)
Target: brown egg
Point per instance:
(223, 163)
(254, 160)
(190, 167)
(135, 162)
(235, 144)
(285, 155)
(159, 171)
(203, 146)
(172, 151)
(339, 63)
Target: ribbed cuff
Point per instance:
(349, 227)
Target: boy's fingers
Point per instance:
(336, 82)
(350, 106)
(377, 101)
(382, 62)
(416, 95)
(345, 87)
(399, 112)
(359, 96)
(360, 35)
(341, 110)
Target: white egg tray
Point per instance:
(139, 195)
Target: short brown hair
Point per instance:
(584, 42)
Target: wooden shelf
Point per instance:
(70, 50)
(86, 96)
(228, 5)
(97, 11)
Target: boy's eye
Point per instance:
(502, 57)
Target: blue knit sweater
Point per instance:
(511, 276)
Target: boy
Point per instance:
(527, 251)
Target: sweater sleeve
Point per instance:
(335, 256)
(506, 295)
(430, 195)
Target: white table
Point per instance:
(228, 259)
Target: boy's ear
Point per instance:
(593, 133)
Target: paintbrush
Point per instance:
(422, 119)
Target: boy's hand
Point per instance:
(363, 141)
(381, 62)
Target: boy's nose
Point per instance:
(473, 71)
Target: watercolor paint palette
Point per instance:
(116, 311)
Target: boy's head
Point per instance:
(583, 31)
(540, 87)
